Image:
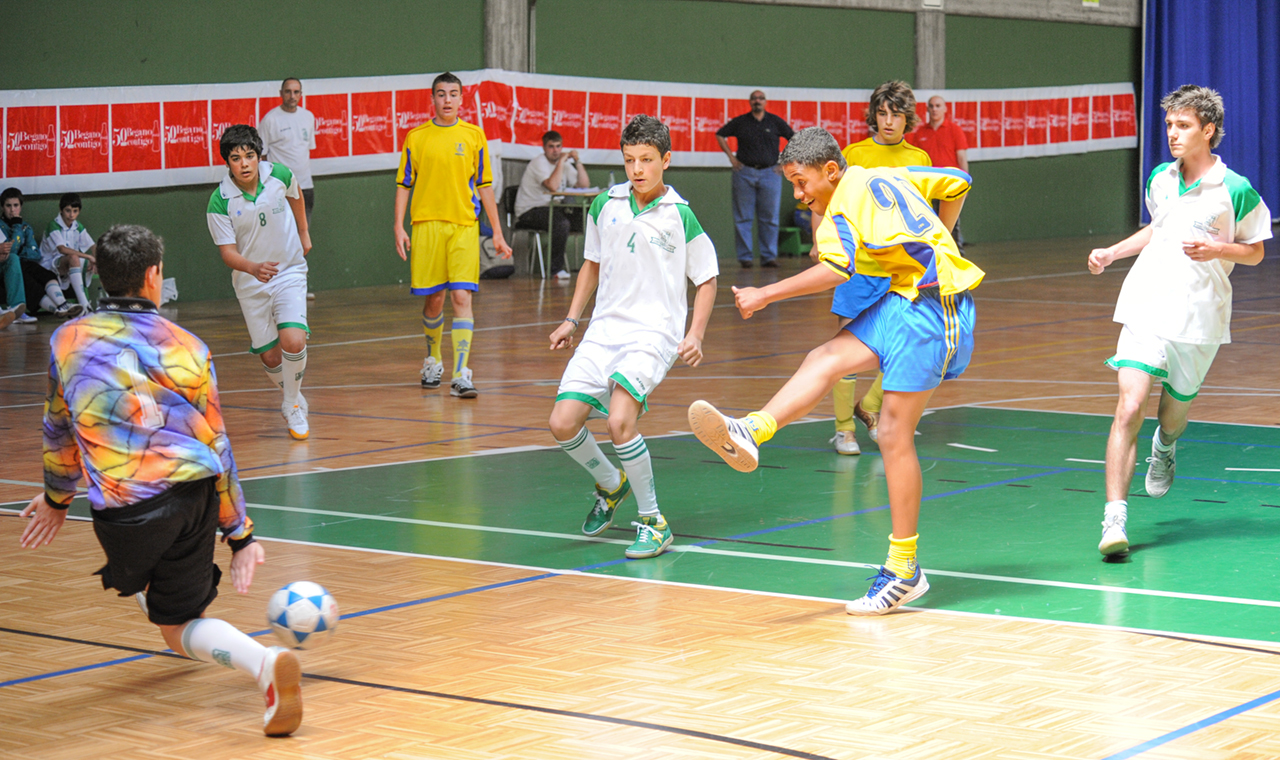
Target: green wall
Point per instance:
(153, 42)
(150, 42)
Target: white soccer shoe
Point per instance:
(1160, 469)
(888, 592)
(432, 371)
(1115, 540)
(281, 684)
(726, 436)
(295, 417)
(846, 443)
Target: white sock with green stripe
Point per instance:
(213, 640)
(275, 375)
(294, 367)
(635, 460)
(585, 451)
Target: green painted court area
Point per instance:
(1009, 525)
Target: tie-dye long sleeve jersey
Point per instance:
(133, 404)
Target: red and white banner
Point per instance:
(112, 138)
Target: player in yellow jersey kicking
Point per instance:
(445, 165)
(919, 331)
(891, 115)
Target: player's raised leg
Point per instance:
(568, 425)
(737, 440)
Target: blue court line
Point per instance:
(1181, 732)
(347, 616)
(80, 669)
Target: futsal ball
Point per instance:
(302, 615)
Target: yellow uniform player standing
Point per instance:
(445, 166)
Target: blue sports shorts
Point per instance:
(920, 343)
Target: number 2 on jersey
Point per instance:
(887, 196)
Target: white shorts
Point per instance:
(282, 303)
(1181, 366)
(596, 367)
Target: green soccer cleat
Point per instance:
(601, 515)
(652, 538)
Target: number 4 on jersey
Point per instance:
(632, 243)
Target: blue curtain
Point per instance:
(1232, 46)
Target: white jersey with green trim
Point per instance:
(260, 226)
(645, 255)
(1166, 293)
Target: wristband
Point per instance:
(572, 321)
(57, 505)
(237, 544)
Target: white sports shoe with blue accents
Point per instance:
(888, 592)
(726, 436)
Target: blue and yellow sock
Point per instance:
(902, 556)
(433, 329)
(461, 330)
(762, 426)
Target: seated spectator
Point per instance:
(68, 249)
(15, 305)
(543, 177)
(40, 284)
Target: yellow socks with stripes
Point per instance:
(433, 328)
(635, 460)
(584, 450)
(460, 330)
(902, 556)
(762, 426)
(875, 397)
(842, 396)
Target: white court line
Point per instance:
(21, 483)
(755, 592)
(1251, 469)
(1086, 461)
(776, 557)
(972, 448)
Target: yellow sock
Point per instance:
(842, 394)
(875, 397)
(762, 426)
(460, 330)
(433, 328)
(902, 556)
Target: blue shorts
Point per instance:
(919, 343)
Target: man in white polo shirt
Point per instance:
(554, 170)
(288, 134)
(1175, 304)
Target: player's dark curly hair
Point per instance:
(898, 97)
(239, 136)
(1205, 102)
(125, 253)
(813, 147)
(647, 130)
(447, 77)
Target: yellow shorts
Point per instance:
(444, 256)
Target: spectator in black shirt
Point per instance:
(757, 183)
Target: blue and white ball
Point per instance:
(302, 615)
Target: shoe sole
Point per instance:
(468, 393)
(602, 529)
(915, 594)
(288, 683)
(299, 436)
(430, 385)
(653, 553)
(1114, 548)
(708, 425)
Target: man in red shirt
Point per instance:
(945, 144)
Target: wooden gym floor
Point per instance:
(481, 624)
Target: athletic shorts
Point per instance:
(596, 368)
(164, 545)
(283, 303)
(1181, 366)
(920, 343)
(444, 256)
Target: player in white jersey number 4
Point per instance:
(257, 219)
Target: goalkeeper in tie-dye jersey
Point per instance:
(133, 409)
